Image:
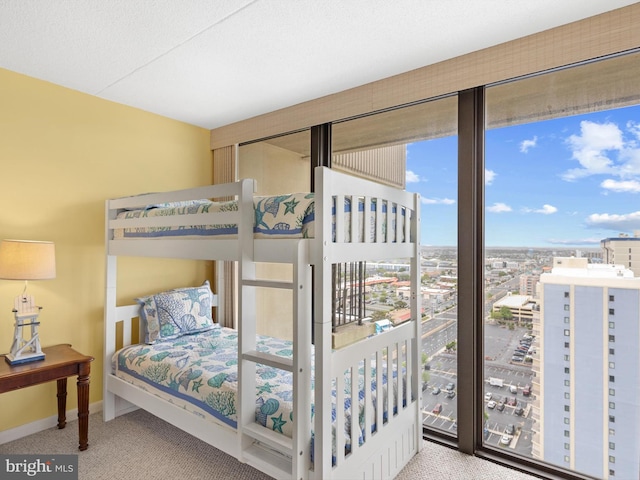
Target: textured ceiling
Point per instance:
(215, 62)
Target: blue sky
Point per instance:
(570, 181)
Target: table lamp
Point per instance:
(26, 260)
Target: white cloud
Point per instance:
(626, 222)
(591, 149)
(631, 186)
(630, 161)
(489, 175)
(437, 201)
(634, 128)
(525, 145)
(411, 177)
(499, 208)
(545, 210)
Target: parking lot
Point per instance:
(499, 342)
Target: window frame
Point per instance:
(471, 165)
(471, 251)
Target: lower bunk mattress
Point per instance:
(199, 373)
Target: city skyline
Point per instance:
(565, 182)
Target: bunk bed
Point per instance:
(382, 371)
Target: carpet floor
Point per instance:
(139, 446)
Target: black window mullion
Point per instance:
(320, 157)
(470, 268)
(320, 148)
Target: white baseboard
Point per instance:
(43, 424)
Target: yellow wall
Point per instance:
(62, 153)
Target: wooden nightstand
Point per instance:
(60, 362)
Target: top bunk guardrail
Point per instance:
(391, 218)
(173, 224)
(188, 229)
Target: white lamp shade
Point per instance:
(27, 260)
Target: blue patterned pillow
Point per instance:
(177, 312)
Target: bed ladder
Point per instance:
(270, 451)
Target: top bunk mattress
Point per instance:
(281, 216)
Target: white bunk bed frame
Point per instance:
(395, 440)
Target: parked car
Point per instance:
(451, 394)
(518, 411)
(511, 401)
(516, 358)
(487, 396)
(510, 429)
(526, 391)
(505, 440)
(450, 387)
(435, 391)
(437, 409)
(500, 407)
(491, 404)
(513, 389)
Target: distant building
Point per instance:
(393, 267)
(378, 280)
(623, 250)
(587, 370)
(496, 275)
(528, 284)
(593, 256)
(430, 265)
(436, 294)
(522, 306)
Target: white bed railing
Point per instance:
(392, 228)
(386, 406)
(397, 234)
(226, 248)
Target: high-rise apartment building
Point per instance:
(623, 250)
(587, 371)
(528, 284)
